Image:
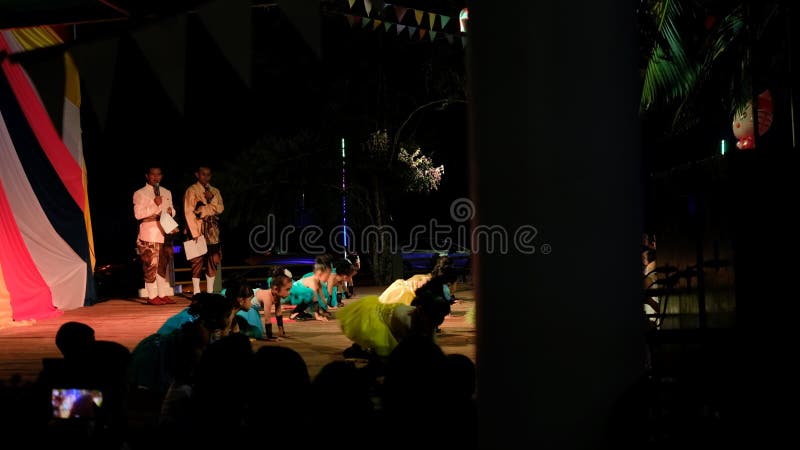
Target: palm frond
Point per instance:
(669, 74)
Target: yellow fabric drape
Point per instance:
(72, 89)
(40, 37)
(36, 37)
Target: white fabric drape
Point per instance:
(62, 269)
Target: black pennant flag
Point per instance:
(305, 16)
(229, 22)
(97, 63)
(163, 44)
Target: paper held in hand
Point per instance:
(168, 224)
(195, 247)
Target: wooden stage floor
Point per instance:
(129, 321)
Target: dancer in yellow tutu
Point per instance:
(402, 291)
(378, 327)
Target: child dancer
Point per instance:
(308, 290)
(403, 291)
(378, 327)
(342, 272)
(267, 300)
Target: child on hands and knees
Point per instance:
(378, 327)
(343, 271)
(309, 290)
(268, 300)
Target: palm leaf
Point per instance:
(669, 74)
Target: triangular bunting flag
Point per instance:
(229, 23)
(97, 62)
(400, 28)
(444, 20)
(365, 21)
(376, 23)
(422, 33)
(387, 25)
(401, 12)
(46, 69)
(432, 19)
(351, 2)
(411, 31)
(379, 6)
(350, 19)
(368, 6)
(418, 16)
(163, 44)
(449, 37)
(433, 35)
(305, 16)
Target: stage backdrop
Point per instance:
(46, 249)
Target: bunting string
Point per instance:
(376, 15)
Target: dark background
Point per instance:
(365, 80)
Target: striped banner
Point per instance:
(46, 242)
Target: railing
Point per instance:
(256, 275)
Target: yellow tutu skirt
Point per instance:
(470, 316)
(402, 291)
(366, 322)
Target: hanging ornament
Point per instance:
(743, 121)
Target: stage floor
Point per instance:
(129, 321)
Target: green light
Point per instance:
(342, 147)
(722, 147)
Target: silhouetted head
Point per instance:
(431, 307)
(74, 339)
(444, 270)
(238, 292)
(214, 310)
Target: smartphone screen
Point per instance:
(75, 403)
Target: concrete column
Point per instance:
(555, 146)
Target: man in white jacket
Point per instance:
(148, 204)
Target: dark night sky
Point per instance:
(291, 90)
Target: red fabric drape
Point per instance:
(30, 295)
(64, 164)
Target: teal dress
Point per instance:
(447, 294)
(148, 367)
(333, 297)
(330, 299)
(252, 317)
(301, 294)
(176, 321)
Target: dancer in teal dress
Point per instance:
(343, 271)
(308, 291)
(149, 359)
(186, 315)
(267, 301)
